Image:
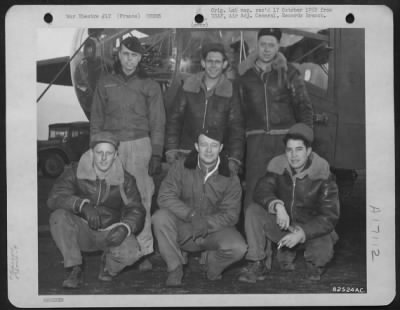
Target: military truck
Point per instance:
(66, 143)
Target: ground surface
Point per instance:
(347, 269)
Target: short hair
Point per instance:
(294, 136)
(213, 47)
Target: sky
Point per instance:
(60, 103)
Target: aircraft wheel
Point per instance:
(52, 165)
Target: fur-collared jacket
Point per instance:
(310, 197)
(213, 194)
(275, 99)
(195, 109)
(116, 197)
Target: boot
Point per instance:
(285, 258)
(175, 277)
(253, 272)
(74, 279)
(313, 272)
(145, 265)
(213, 277)
(104, 274)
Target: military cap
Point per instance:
(302, 130)
(275, 32)
(133, 44)
(212, 133)
(104, 137)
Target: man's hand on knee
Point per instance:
(199, 227)
(116, 236)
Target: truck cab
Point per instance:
(66, 143)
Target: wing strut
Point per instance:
(62, 69)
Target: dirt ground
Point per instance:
(347, 269)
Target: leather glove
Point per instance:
(155, 165)
(233, 167)
(91, 215)
(199, 227)
(171, 156)
(116, 236)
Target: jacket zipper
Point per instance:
(266, 103)
(205, 113)
(98, 198)
(291, 205)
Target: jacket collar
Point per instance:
(317, 170)
(193, 85)
(86, 171)
(279, 63)
(191, 162)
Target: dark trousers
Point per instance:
(260, 225)
(223, 247)
(260, 149)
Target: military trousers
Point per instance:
(223, 247)
(72, 235)
(260, 149)
(135, 156)
(260, 225)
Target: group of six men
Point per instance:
(103, 201)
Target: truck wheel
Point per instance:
(52, 165)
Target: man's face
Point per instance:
(214, 64)
(297, 154)
(104, 155)
(129, 60)
(208, 149)
(267, 48)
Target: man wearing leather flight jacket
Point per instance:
(296, 206)
(96, 206)
(273, 98)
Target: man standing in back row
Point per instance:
(130, 105)
(207, 100)
(274, 98)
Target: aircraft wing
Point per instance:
(48, 69)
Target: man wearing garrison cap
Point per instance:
(273, 97)
(207, 99)
(199, 203)
(296, 206)
(130, 105)
(96, 206)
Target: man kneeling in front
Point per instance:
(296, 206)
(199, 206)
(97, 206)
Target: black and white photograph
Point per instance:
(225, 157)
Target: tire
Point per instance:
(52, 165)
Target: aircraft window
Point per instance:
(309, 51)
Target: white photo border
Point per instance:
(22, 21)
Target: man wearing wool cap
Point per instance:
(130, 105)
(96, 206)
(200, 203)
(274, 98)
(296, 206)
